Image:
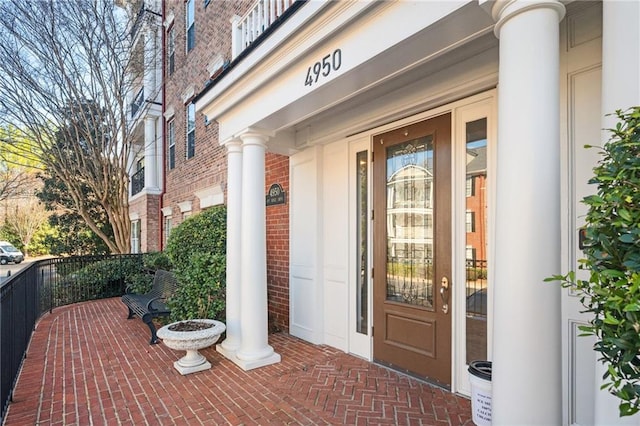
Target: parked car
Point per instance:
(9, 253)
(477, 303)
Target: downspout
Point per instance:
(164, 131)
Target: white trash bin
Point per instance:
(480, 378)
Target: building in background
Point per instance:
(145, 117)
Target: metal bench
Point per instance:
(152, 304)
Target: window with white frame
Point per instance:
(190, 24)
(168, 224)
(470, 253)
(171, 143)
(470, 190)
(470, 221)
(191, 130)
(171, 50)
(135, 236)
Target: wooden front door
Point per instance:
(412, 249)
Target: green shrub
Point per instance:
(104, 278)
(156, 260)
(197, 250)
(139, 283)
(611, 295)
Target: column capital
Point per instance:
(255, 136)
(233, 145)
(504, 10)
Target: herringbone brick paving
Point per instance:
(88, 365)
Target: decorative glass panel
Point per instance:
(410, 205)
(362, 209)
(476, 240)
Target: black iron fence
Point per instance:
(43, 286)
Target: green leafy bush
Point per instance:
(142, 281)
(612, 248)
(104, 278)
(197, 249)
(156, 260)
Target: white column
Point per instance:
(620, 90)
(254, 349)
(526, 347)
(234, 267)
(150, 154)
(149, 62)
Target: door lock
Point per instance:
(444, 294)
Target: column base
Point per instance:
(249, 364)
(229, 353)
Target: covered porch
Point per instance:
(87, 364)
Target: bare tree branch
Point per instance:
(66, 69)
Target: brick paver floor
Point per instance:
(88, 365)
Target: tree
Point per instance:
(17, 169)
(26, 220)
(72, 235)
(65, 74)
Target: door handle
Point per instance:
(444, 294)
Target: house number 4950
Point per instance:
(329, 63)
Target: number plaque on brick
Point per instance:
(276, 195)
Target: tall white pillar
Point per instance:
(526, 347)
(254, 349)
(620, 90)
(150, 154)
(234, 267)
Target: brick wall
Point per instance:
(209, 165)
(148, 209)
(212, 37)
(277, 171)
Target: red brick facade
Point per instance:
(148, 208)
(277, 171)
(208, 167)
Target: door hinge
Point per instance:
(371, 272)
(371, 331)
(372, 156)
(372, 211)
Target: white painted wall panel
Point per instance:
(305, 296)
(335, 225)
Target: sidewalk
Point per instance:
(88, 365)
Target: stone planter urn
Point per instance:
(191, 336)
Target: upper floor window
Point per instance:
(171, 50)
(190, 24)
(191, 130)
(470, 221)
(171, 142)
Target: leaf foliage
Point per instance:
(611, 295)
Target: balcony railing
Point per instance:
(41, 287)
(137, 103)
(137, 182)
(256, 21)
